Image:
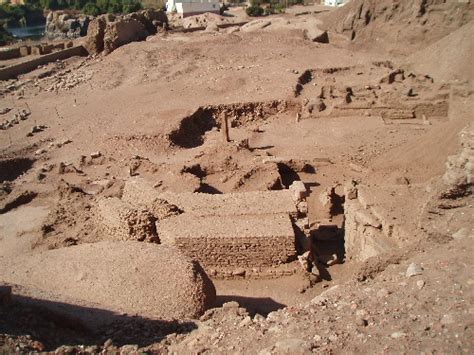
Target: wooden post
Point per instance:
(225, 128)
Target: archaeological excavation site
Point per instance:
(294, 183)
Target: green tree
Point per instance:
(129, 6)
(91, 9)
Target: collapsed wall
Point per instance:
(118, 220)
(368, 229)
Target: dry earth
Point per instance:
(383, 143)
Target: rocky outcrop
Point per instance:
(108, 32)
(60, 24)
(459, 176)
(399, 25)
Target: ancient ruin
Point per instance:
(224, 183)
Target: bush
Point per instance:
(254, 11)
(91, 9)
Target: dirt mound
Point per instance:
(122, 276)
(448, 59)
(399, 26)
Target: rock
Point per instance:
(361, 322)
(322, 298)
(245, 322)
(413, 270)
(299, 190)
(40, 151)
(398, 335)
(420, 284)
(108, 343)
(314, 34)
(350, 190)
(96, 154)
(304, 260)
(231, 304)
(212, 27)
(238, 272)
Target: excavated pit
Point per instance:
(191, 130)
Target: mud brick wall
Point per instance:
(231, 241)
(137, 191)
(120, 221)
(238, 252)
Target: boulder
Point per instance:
(315, 34)
(61, 25)
(149, 280)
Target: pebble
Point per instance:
(108, 343)
(398, 335)
(420, 284)
(361, 322)
(413, 270)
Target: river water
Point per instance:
(27, 32)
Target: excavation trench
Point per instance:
(191, 130)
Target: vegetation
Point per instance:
(5, 36)
(268, 7)
(255, 10)
(32, 11)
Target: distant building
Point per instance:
(187, 8)
(334, 2)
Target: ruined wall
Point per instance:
(137, 191)
(120, 221)
(368, 232)
(231, 241)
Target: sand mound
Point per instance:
(448, 59)
(399, 26)
(151, 281)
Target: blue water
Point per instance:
(32, 32)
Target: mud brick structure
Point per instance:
(244, 241)
(120, 221)
(137, 192)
